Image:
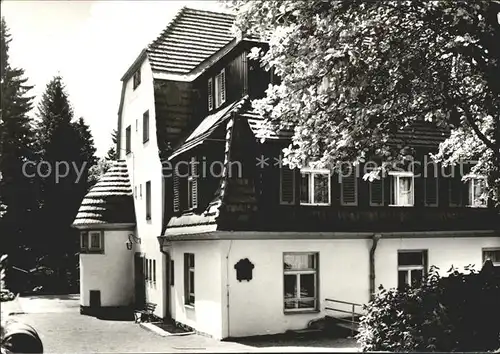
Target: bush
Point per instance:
(460, 312)
(5, 294)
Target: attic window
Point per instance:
(220, 88)
(137, 78)
(210, 95)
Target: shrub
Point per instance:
(459, 312)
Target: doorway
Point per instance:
(140, 282)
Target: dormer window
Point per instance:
(402, 189)
(220, 88)
(477, 197)
(137, 78)
(315, 186)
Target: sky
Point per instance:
(91, 44)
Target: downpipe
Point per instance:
(227, 289)
(375, 239)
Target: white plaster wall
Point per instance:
(111, 272)
(144, 165)
(256, 307)
(442, 252)
(206, 315)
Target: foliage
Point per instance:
(445, 314)
(112, 155)
(5, 294)
(61, 139)
(355, 72)
(99, 169)
(18, 197)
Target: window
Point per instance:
(402, 190)
(146, 269)
(148, 200)
(492, 254)
(150, 269)
(137, 78)
(91, 242)
(348, 188)
(220, 88)
(287, 185)
(315, 186)
(145, 127)
(376, 190)
(431, 185)
(136, 125)
(477, 197)
(192, 184)
(135, 192)
(300, 281)
(140, 190)
(154, 270)
(210, 94)
(189, 279)
(128, 146)
(172, 273)
(412, 268)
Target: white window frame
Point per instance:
(298, 273)
(491, 249)
(312, 172)
(409, 268)
(87, 236)
(470, 186)
(395, 175)
(220, 92)
(281, 186)
(189, 272)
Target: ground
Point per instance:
(63, 330)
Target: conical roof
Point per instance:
(110, 200)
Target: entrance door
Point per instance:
(140, 282)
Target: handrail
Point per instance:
(344, 302)
(353, 313)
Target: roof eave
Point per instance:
(140, 58)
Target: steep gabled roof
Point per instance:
(191, 37)
(109, 201)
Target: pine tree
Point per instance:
(68, 144)
(18, 197)
(112, 150)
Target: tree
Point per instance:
(355, 72)
(112, 155)
(18, 197)
(67, 150)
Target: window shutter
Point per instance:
(176, 186)
(455, 191)
(222, 86)
(194, 183)
(287, 185)
(349, 190)
(210, 94)
(431, 188)
(377, 191)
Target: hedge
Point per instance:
(460, 312)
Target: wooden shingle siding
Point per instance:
(110, 200)
(191, 37)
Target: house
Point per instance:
(199, 216)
